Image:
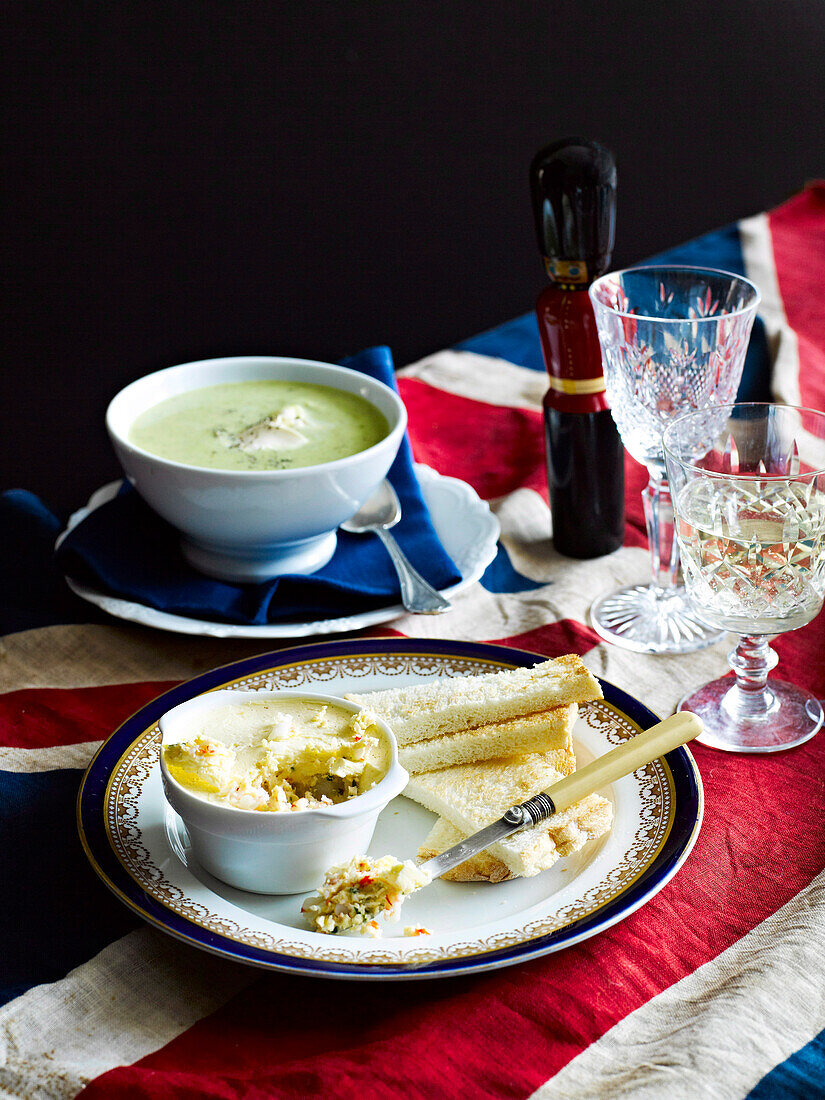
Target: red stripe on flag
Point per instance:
(555, 639)
(636, 477)
(37, 718)
(513, 1029)
(802, 657)
(552, 640)
(798, 237)
(457, 436)
(494, 449)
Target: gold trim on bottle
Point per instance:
(577, 385)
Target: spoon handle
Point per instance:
(416, 594)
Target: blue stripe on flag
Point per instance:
(501, 576)
(723, 249)
(56, 914)
(800, 1077)
(32, 592)
(720, 248)
(518, 340)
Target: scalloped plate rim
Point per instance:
(479, 552)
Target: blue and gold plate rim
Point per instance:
(678, 838)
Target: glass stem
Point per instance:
(750, 697)
(664, 549)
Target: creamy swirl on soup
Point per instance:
(270, 424)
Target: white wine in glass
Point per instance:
(749, 498)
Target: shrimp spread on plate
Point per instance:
(353, 895)
(293, 754)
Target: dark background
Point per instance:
(186, 180)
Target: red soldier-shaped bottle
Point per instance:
(573, 184)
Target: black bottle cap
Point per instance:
(573, 184)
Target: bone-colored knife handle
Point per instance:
(625, 758)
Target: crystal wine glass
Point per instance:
(748, 485)
(673, 339)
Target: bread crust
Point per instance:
(476, 745)
(452, 704)
(546, 731)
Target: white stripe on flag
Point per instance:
(757, 252)
(478, 616)
(48, 759)
(659, 681)
(526, 533)
(134, 997)
(718, 1031)
(86, 655)
(480, 377)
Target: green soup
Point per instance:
(264, 425)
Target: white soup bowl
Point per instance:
(251, 525)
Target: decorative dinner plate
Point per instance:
(140, 848)
(467, 528)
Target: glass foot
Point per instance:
(651, 620)
(792, 717)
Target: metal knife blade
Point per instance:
(514, 819)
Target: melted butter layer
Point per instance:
(280, 755)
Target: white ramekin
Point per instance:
(284, 852)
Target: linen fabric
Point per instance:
(711, 989)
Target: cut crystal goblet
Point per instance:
(673, 339)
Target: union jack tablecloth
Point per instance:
(715, 988)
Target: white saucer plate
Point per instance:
(140, 848)
(467, 528)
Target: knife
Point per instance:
(624, 759)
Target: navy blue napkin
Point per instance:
(126, 550)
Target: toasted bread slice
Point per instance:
(547, 731)
(481, 868)
(593, 821)
(458, 703)
(471, 796)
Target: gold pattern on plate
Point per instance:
(140, 761)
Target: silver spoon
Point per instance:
(382, 511)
